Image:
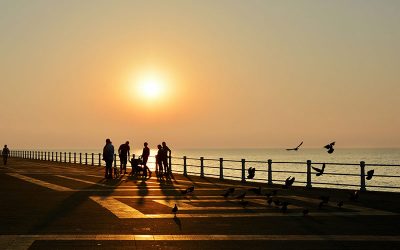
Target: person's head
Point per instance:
(164, 144)
(159, 146)
(108, 141)
(145, 144)
(127, 142)
(5, 146)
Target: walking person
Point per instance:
(108, 157)
(5, 153)
(145, 158)
(123, 152)
(166, 158)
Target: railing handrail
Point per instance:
(87, 159)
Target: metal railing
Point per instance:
(269, 172)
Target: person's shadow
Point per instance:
(178, 222)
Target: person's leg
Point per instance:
(121, 163)
(145, 165)
(166, 168)
(109, 169)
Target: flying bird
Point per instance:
(370, 174)
(175, 209)
(319, 171)
(288, 182)
(330, 147)
(252, 173)
(296, 148)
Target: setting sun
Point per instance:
(150, 86)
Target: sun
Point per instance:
(150, 86)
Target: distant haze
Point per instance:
(235, 74)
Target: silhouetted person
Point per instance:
(145, 157)
(159, 160)
(123, 152)
(108, 157)
(5, 153)
(166, 158)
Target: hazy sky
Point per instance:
(235, 73)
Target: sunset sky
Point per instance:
(199, 74)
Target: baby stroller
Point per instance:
(137, 165)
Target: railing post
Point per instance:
(74, 157)
(69, 157)
(92, 159)
(85, 158)
(243, 170)
(184, 166)
(99, 159)
(56, 156)
(269, 172)
(362, 175)
(80, 158)
(308, 174)
(65, 157)
(221, 168)
(202, 166)
(52, 156)
(45, 156)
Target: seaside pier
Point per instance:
(53, 204)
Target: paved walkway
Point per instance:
(46, 205)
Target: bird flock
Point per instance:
(272, 198)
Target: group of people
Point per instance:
(163, 157)
(5, 153)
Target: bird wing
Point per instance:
(300, 145)
(332, 143)
(327, 146)
(316, 169)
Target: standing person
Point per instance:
(123, 152)
(145, 157)
(5, 153)
(108, 157)
(166, 158)
(159, 159)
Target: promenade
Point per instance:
(52, 205)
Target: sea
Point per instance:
(385, 164)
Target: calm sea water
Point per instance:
(232, 169)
